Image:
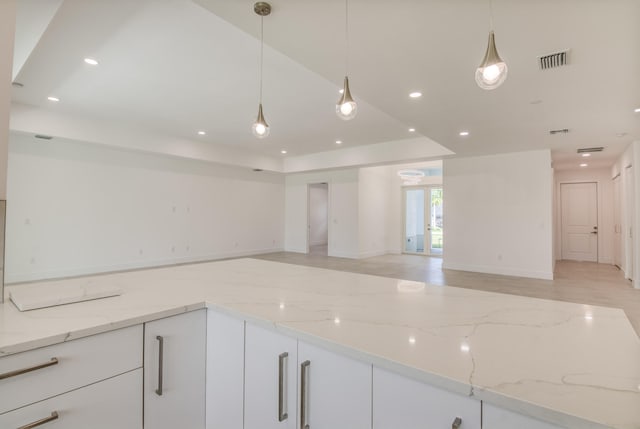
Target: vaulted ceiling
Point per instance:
(175, 67)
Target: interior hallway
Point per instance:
(579, 282)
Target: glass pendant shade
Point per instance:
(346, 107)
(260, 127)
(493, 71)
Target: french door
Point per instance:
(422, 232)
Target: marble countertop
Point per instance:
(574, 365)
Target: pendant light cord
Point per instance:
(490, 15)
(261, 52)
(346, 36)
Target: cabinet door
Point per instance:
(225, 371)
(334, 391)
(498, 418)
(399, 402)
(174, 372)
(270, 380)
(111, 404)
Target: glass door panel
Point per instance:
(435, 221)
(414, 222)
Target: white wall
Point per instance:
(318, 214)
(343, 211)
(498, 214)
(77, 208)
(7, 30)
(374, 188)
(602, 178)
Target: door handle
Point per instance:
(304, 393)
(282, 386)
(160, 363)
(456, 423)
(54, 416)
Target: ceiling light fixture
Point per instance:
(91, 61)
(415, 94)
(584, 165)
(283, 152)
(56, 99)
(412, 130)
(338, 141)
(260, 127)
(586, 154)
(464, 133)
(637, 110)
(202, 133)
(346, 107)
(492, 72)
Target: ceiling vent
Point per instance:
(561, 131)
(590, 149)
(557, 59)
(43, 136)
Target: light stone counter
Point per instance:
(570, 364)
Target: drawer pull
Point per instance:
(160, 362)
(53, 361)
(304, 393)
(456, 423)
(283, 359)
(52, 417)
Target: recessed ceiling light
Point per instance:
(415, 94)
(464, 133)
(637, 110)
(341, 91)
(412, 130)
(412, 340)
(283, 152)
(202, 133)
(586, 155)
(91, 61)
(338, 141)
(56, 99)
(584, 165)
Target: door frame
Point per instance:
(559, 223)
(427, 219)
(308, 226)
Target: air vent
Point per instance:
(554, 60)
(43, 136)
(590, 149)
(561, 131)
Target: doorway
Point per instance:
(579, 221)
(423, 220)
(318, 219)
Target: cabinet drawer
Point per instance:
(79, 363)
(115, 403)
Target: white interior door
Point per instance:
(579, 221)
(630, 215)
(617, 223)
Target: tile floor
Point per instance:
(579, 282)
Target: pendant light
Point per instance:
(260, 128)
(492, 72)
(346, 107)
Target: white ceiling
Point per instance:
(174, 67)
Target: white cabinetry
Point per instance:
(270, 380)
(400, 402)
(497, 418)
(174, 372)
(225, 371)
(109, 404)
(334, 391)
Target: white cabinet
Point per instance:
(498, 418)
(334, 391)
(174, 372)
(225, 371)
(115, 403)
(400, 402)
(270, 380)
(38, 374)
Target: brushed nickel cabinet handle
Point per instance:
(456, 423)
(160, 363)
(52, 417)
(282, 386)
(304, 393)
(53, 361)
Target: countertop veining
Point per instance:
(575, 365)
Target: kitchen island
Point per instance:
(571, 365)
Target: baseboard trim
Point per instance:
(504, 271)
